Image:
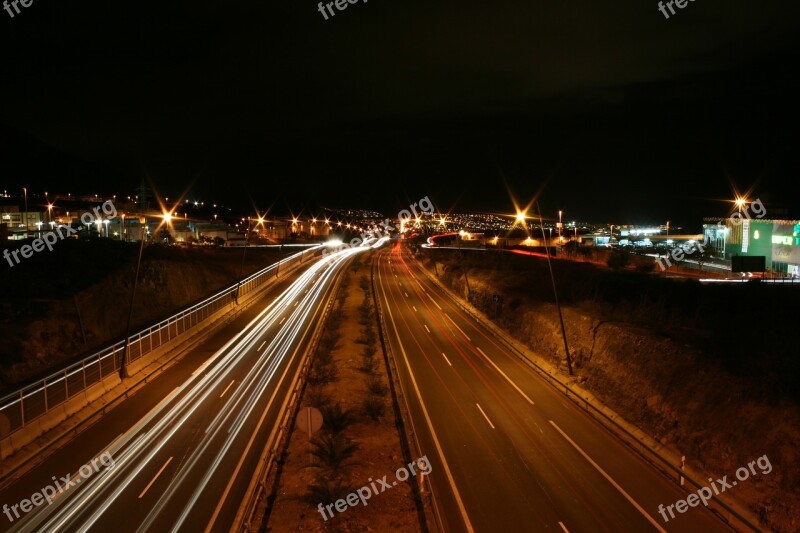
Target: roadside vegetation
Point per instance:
(359, 440)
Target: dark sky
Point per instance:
(613, 111)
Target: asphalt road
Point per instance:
(179, 454)
(508, 452)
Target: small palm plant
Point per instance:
(334, 453)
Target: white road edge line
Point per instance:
(609, 479)
(226, 388)
(504, 375)
(484, 415)
(155, 478)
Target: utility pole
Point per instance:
(555, 294)
(123, 367)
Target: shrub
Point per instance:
(323, 490)
(316, 396)
(374, 407)
(322, 374)
(370, 365)
(376, 387)
(336, 418)
(334, 453)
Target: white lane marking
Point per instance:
(405, 294)
(262, 345)
(446, 359)
(295, 304)
(456, 325)
(281, 322)
(155, 478)
(226, 388)
(426, 328)
(415, 309)
(540, 429)
(484, 416)
(563, 527)
(505, 376)
(609, 478)
(434, 301)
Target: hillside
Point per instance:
(44, 299)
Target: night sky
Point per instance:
(612, 111)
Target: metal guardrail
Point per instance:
(35, 400)
(643, 449)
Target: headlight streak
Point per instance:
(170, 418)
(298, 320)
(167, 420)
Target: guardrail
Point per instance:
(32, 401)
(643, 449)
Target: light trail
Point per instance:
(196, 399)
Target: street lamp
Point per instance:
(555, 295)
(123, 367)
(559, 226)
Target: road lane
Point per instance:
(184, 466)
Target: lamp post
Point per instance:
(555, 294)
(123, 367)
(559, 226)
(241, 268)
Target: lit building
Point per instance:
(777, 240)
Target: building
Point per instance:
(777, 240)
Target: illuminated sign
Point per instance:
(781, 239)
(745, 235)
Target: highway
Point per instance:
(508, 452)
(185, 464)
